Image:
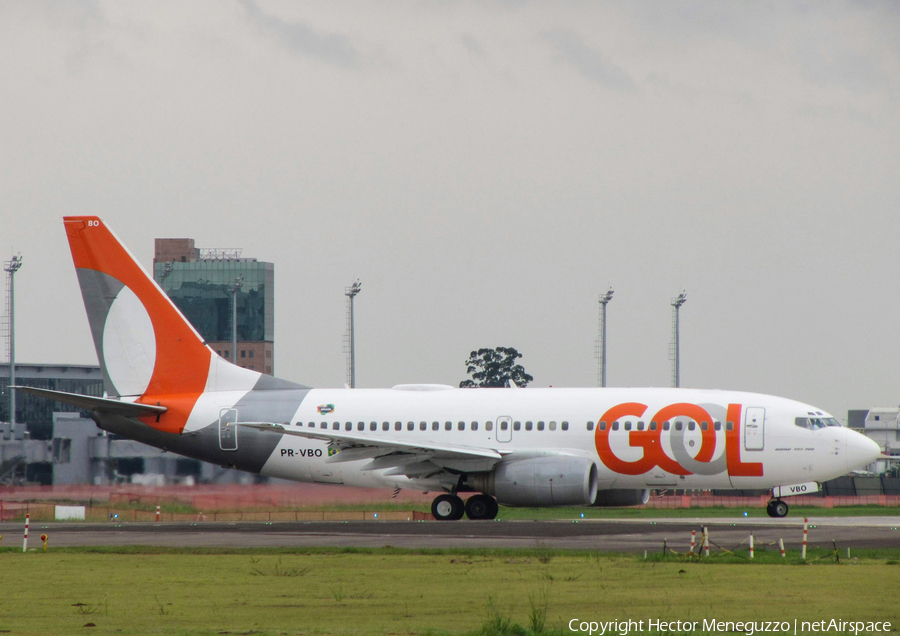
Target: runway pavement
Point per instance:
(606, 535)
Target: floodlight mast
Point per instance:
(601, 342)
(677, 302)
(351, 292)
(235, 289)
(11, 267)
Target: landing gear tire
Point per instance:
(481, 507)
(447, 508)
(777, 508)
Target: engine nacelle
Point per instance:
(541, 481)
(621, 497)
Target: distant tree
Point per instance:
(495, 368)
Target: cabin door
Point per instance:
(754, 428)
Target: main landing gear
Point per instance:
(452, 508)
(777, 508)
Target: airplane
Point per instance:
(513, 447)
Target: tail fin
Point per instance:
(149, 353)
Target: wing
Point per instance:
(413, 459)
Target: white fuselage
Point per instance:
(763, 448)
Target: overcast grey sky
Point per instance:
(486, 169)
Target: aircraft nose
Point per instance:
(861, 451)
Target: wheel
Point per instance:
(481, 507)
(447, 508)
(770, 508)
(780, 509)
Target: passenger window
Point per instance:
(552, 426)
(410, 426)
(475, 426)
(615, 425)
(528, 426)
(504, 425)
(435, 426)
(627, 426)
(360, 426)
(385, 426)
(564, 426)
(717, 426)
(602, 426)
(590, 426)
(398, 426)
(461, 426)
(488, 426)
(640, 426)
(540, 426)
(373, 426)
(729, 426)
(336, 426)
(448, 426)
(665, 426)
(517, 426)
(704, 426)
(323, 425)
(423, 426)
(679, 426)
(652, 426)
(692, 425)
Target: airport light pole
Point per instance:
(677, 302)
(11, 267)
(235, 288)
(351, 292)
(604, 301)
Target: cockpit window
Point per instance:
(815, 423)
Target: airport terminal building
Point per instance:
(54, 443)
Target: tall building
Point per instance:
(203, 284)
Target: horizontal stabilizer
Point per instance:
(101, 405)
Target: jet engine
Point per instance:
(541, 481)
(621, 497)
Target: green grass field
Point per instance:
(162, 591)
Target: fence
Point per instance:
(10, 511)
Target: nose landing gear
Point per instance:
(451, 507)
(777, 508)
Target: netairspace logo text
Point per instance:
(630, 626)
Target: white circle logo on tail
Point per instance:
(129, 344)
